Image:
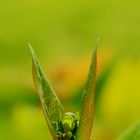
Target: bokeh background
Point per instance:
(63, 34)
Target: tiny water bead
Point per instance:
(66, 128)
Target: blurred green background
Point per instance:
(63, 34)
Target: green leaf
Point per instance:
(53, 110)
(87, 110)
(132, 133)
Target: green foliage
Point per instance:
(66, 126)
(132, 133)
(87, 110)
(52, 107)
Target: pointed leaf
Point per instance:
(53, 110)
(86, 114)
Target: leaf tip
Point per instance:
(31, 49)
(96, 44)
(34, 57)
